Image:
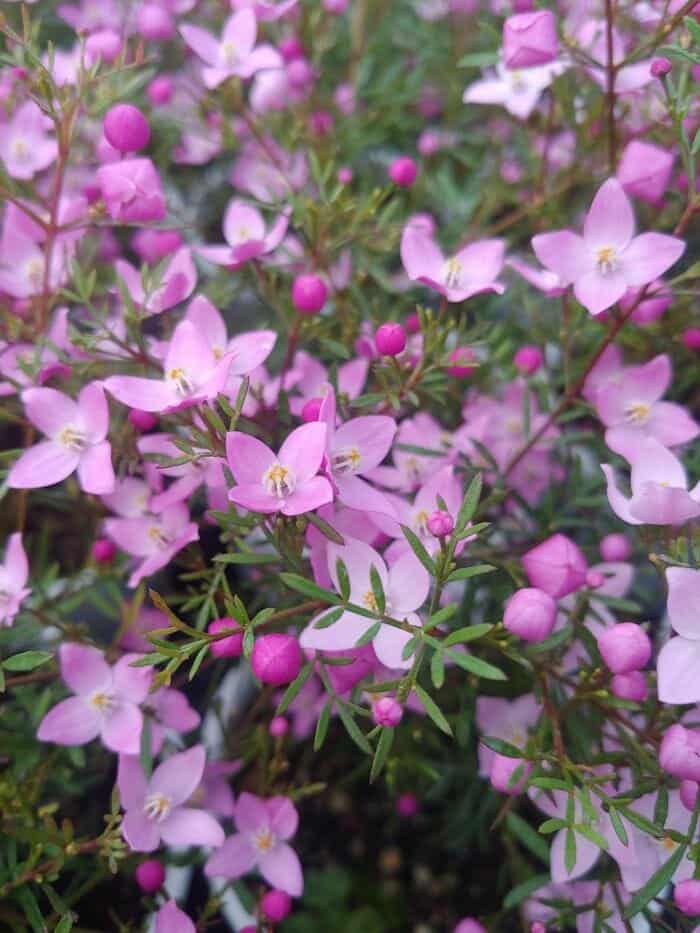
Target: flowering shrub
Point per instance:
(349, 368)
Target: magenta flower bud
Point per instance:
(321, 122)
(103, 551)
(142, 420)
(530, 614)
(615, 547)
(528, 359)
(469, 925)
(413, 323)
(687, 897)
(154, 245)
(624, 647)
(126, 128)
(276, 659)
(291, 48)
(160, 91)
(155, 22)
(387, 712)
(407, 805)
(630, 686)
(594, 579)
(660, 67)
(556, 566)
(300, 73)
(679, 752)
(309, 294)
(538, 927)
(390, 339)
(645, 170)
(150, 875)
(231, 647)
(278, 727)
(345, 175)
(462, 362)
(530, 39)
(104, 45)
(132, 191)
(503, 774)
(689, 794)
(403, 171)
(276, 905)
(440, 524)
(311, 410)
(691, 338)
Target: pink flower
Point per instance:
(608, 259)
(244, 231)
(518, 91)
(170, 919)
(13, 576)
(234, 53)
(472, 270)
(660, 493)
(106, 701)
(556, 566)
(76, 433)
(155, 808)
(25, 147)
(192, 375)
(176, 283)
(132, 191)
(530, 39)
(23, 265)
(405, 584)
(679, 659)
(286, 482)
(264, 826)
(645, 171)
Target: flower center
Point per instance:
(518, 84)
(346, 460)
(421, 522)
(229, 53)
(103, 701)
(452, 272)
(242, 235)
(668, 844)
(279, 481)
(263, 840)
(72, 438)
(158, 536)
(157, 807)
(34, 271)
(20, 150)
(637, 412)
(183, 385)
(606, 259)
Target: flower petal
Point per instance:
(678, 669)
(187, 826)
(178, 777)
(610, 219)
(70, 722)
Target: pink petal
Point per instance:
(371, 435)
(241, 28)
(587, 854)
(132, 782)
(146, 394)
(284, 818)
(655, 464)
(388, 645)
(309, 495)
(170, 919)
(16, 564)
(218, 255)
(250, 350)
(677, 667)
(131, 535)
(187, 826)
(358, 557)
(618, 503)
(205, 317)
(482, 262)
(648, 256)
(610, 220)
(684, 600)
(281, 868)
(121, 730)
(255, 498)
(178, 777)
(201, 42)
(303, 450)
(486, 91)
(565, 253)
(140, 832)
(670, 424)
(50, 410)
(236, 857)
(597, 292)
(242, 222)
(409, 583)
(83, 668)
(251, 813)
(95, 412)
(248, 458)
(70, 722)
(133, 683)
(42, 465)
(95, 470)
(661, 505)
(420, 254)
(357, 493)
(337, 637)
(190, 352)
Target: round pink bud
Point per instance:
(160, 91)
(679, 752)
(276, 659)
(528, 359)
(469, 925)
(440, 524)
(615, 547)
(291, 48)
(276, 905)
(660, 67)
(311, 410)
(103, 551)
(403, 171)
(630, 686)
(155, 22)
(594, 579)
(345, 175)
(387, 712)
(150, 875)
(278, 727)
(104, 45)
(413, 323)
(390, 339)
(689, 794)
(321, 122)
(691, 338)
(407, 805)
(624, 647)
(687, 897)
(231, 647)
(530, 614)
(142, 420)
(309, 293)
(126, 128)
(462, 362)
(300, 73)
(509, 775)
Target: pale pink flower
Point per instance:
(25, 146)
(14, 572)
(246, 236)
(176, 283)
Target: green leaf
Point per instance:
(522, 891)
(468, 633)
(353, 730)
(247, 557)
(501, 747)
(437, 669)
(618, 826)
(655, 884)
(377, 589)
(27, 660)
(307, 588)
(386, 740)
(65, 924)
(469, 504)
(464, 573)
(477, 666)
(322, 725)
(661, 807)
(548, 783)
(526, 835)
(592, 835)
(442, 615)
(570, 850)
(419, 550)
(293, 689)
(478, 60)
(409, 648)
(551, 826)
(146, 747)
(369, 635)
(329, 618)
(328, 531)
(433, 710)
(343, 579)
